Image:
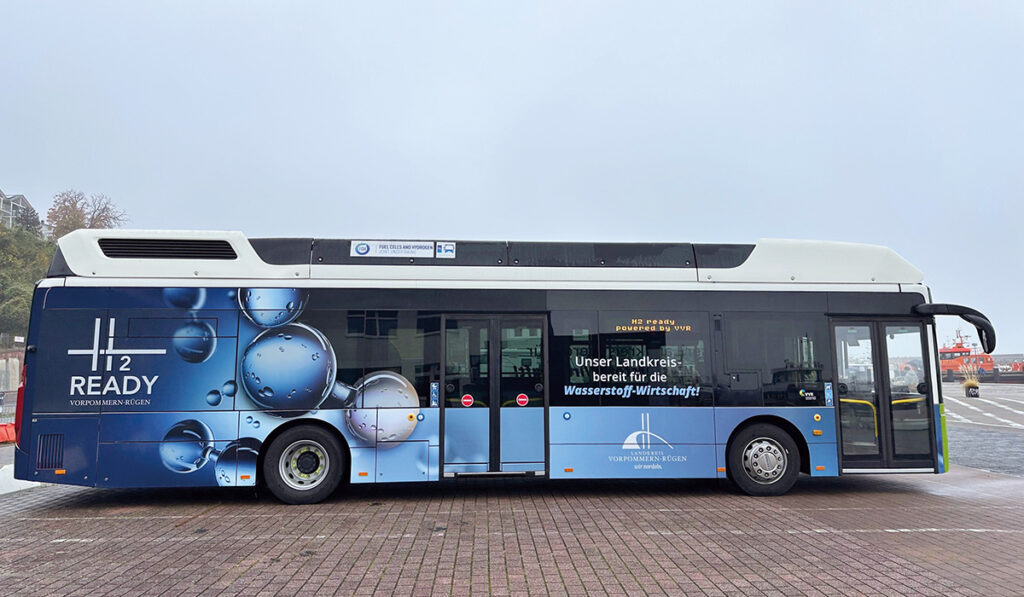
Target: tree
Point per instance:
(28, 219)
(72, 210)
(24, 259)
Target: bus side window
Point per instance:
(788, 352)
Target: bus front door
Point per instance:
(884, 398)
(494, 395)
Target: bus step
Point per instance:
(496, 474)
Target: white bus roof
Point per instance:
(229, 255)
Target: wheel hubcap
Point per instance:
(304, 465)
(764, 460)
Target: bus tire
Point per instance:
(763, 460)
(304, 465)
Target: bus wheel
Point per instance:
(763, 460)
(304, 465)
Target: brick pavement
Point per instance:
(955, 534)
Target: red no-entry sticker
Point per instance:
(467, 400)
(522, 400)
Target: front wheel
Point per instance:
(763, 460)
(304, 465)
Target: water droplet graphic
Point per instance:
(388, 410)
(213, 398)
(292, 366)
(240, 456)
(187, 446)
(248, 420)
(256, 424)
(185, 298)
(273, 307)
(195, 341)
(229, 388)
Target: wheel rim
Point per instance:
(765, 460)
(304, 465)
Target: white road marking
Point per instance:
(959, 419)
(1007, 422)
(996, 404)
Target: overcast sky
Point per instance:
(890, 123)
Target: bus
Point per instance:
(190, 359)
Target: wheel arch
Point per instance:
(785, 425)
(346, 473)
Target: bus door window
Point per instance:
(522, 371)
(858, 393)
(908, 403)
(467, 363)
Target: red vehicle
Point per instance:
(960, 354)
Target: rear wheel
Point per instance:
(763, 460)
(304, 465)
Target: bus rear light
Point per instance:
(17, 408)
(60, 471)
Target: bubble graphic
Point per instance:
(185, 298)
(278, 372)
(342, 396)
(229, 388)
(248, 420)
(213, 398)
(187, 446)
(272, 307)
(388, 410)
(195, 341)
(238, 460)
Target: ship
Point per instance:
(961, 355)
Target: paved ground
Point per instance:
(956, 534)
(987, 432)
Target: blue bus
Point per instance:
(188, 359)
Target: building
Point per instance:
(10, 205)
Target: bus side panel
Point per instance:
(816, 424)
(172, 360)
(62, 449)
(22, 468)
(69, 374)
(632, 442)
(131, 464)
